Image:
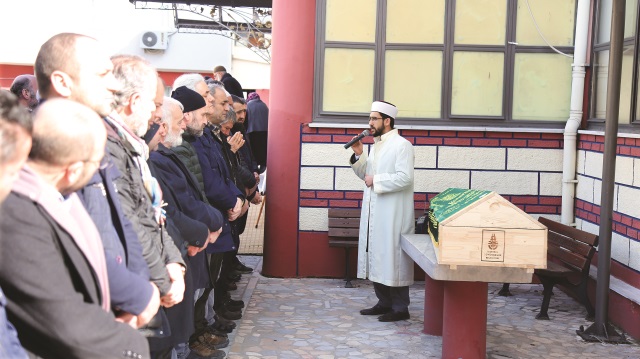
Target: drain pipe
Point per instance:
(570, 151)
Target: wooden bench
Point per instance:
(569, 254)
(344, 228)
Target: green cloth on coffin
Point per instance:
(448, 203)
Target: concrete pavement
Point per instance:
(319, 318)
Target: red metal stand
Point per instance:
(433, 306)
(464, 331)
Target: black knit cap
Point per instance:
(190, 99)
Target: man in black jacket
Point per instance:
(197, 223)
(230, 83)
(59, 303)
(83, 73)
(139, 191)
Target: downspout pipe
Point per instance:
(569, 181)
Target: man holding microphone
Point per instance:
(387, 212)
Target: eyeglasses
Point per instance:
(375, 118)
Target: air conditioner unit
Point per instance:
(154, 40)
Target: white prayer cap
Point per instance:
(386, 108)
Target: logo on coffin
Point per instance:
(493, 242)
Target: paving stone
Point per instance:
(318, 318)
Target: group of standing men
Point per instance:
(127, 213)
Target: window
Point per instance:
(445, 62)
(629, 110)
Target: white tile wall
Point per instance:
(581, 161)
(346, 180)
(506, 183)
(584, 189)
(620, 248)
(534, 159)
(550, 184)
(320, 154)
(629, 201)
(597, 193)
(471, 158)
(624, 170)
(436, 181)
(316, 178)
(589, 227)
(313, 219)
(634, 255)
(593, 164)
(425, 156)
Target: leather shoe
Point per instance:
(234, 277)
(223, 321)
(216, 332)
(232, 308)
(235, 303)
(202, 349)
(394, 316)
(214, 341)
(232, 286)
(227, 314)
(240, 267)
(375, 310)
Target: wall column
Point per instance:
(291, 105)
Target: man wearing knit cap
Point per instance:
(387, 213)
(196, 224)
(230, 83)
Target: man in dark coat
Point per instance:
(195, 124)
(258, 127)
(15, 136)
(94, 85)
(60, 303)
(197, 222)
(230, 83)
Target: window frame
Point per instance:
(448, 48)
(596, 123)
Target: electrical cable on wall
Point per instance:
(535, 23)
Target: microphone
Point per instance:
(364, 134)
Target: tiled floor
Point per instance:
(252, 240)
(318, 318)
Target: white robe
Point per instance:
(387, 211)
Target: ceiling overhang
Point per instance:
(230, 3)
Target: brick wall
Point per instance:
(625, 239)
(525, 168)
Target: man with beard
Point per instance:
(60, 302)
(387, 171)
(228, 311)
(246, 153)
(198, 223)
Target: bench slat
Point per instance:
(578, 247)
(344, 232)
(344, 213)
(570, 232)
(335, 243)
(344, 222)
(572, 259)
